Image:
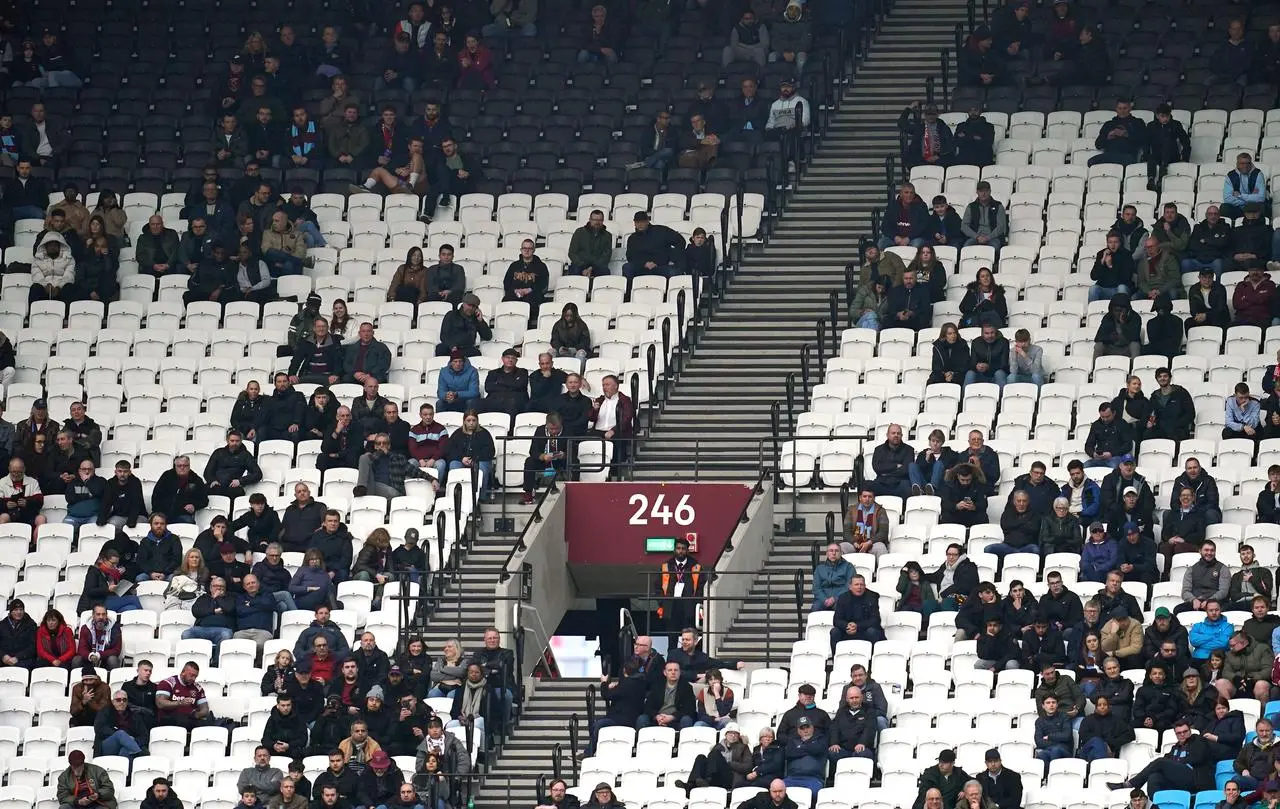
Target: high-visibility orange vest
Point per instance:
(695, 571)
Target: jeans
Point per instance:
(437, 691)
(121, 744)
(311, 235)
(1094, 463)
(485, 466)
(995, 244)
(1096, 748)
(76, 522)
(495, 30)
(1002, 549)
(1033, 378)
(123, 603)
(284, 263)
(812, 783)
(998, 377)
(458, 405)
(1100, 293)
(284, 601)
(585, 56)
(57, 78)
(869, 321)
(646, 721)
(1196, 265)
(1047, 754)
(936, 472)
(659, 159)
(887, 241)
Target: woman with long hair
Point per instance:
(373, 562)
(279, 675)
(409, 283)
(717, 703)
(55, 642)
(448, 670)
(984, 302)
(339, 320)
(915, 592)
(311, 585)
(570, 336)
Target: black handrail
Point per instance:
(798, 580)
(821, 327)
(930, 93)
(557, 758)
(946, 79)
(890, 174)
(831, 527)
(850, 290)
(833, 307)
(573, 737)
(791, 402)
(805, 351)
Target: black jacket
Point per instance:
(375, 790)
(1215, 308)
(916, 301)
(1168, 143)
(626, 699)
(1119, 273)
(979, 311)
(299, 524)
(1209, 242)
(1113, 729)
(850, 729)
(787, 723)
(686, 705)
(1114, 437)
(1134, 141)
(169, 498)
(459, 331)
(953, 357)
(975, 144)
(281, 410)
(1005, 791)
(657, 243)
(291, 729)
(122, 501)
(1157, 703)
(994, 354)
(964, 581)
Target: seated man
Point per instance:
(262, 779)
(383, 471)
(857, 614)
(806, 757)
(88, 697)
(548, 455)
(1212, 634)
(255, 613)
(1188, 765)
(1244, 184)
(853, 730)
(1247, 669)
(20, 496)
(652, 249)
(215, 614)
(1121, 139)
(100, 642)
(868, 525)
(83, 785)
(988, 357)
(1112, 271)
(1109, 439)
(123, 730)
(997, 646)
(964, 496)
(910, 305)
(1204, 487)
(830, 578)
(905, 221)
(1244, 415)
(181, 701)
(891, 461)
(462, 329)
(670, 702)
(1206, 580)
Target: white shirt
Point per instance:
(608, 417)
(678, 590)
(45, 149)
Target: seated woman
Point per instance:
(310, 585)
(409, 284)
(410, 178)
(916, 593)
(984, 302)
(570, 336)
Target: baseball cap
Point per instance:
(394, 670)
(1097, 526)
(380, 760)
(226, 547)
(1191, 671)
(1131, 528)
(947, 757)
(1130, 489)
(303, 666)
(1126, 458)
(40, 404)
(75, 757)
(471, 299)
(803, 722)
(788, 81)
(992, 755)
(1254, 207)
(1163, 612)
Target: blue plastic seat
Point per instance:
(1172, 799)
(1208, 798)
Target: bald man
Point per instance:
(775, 798)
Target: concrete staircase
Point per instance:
(512, 780)
(719, 409)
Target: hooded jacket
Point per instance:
(829, 580)
(1098, 558)
(1207, 636)
(49, 271)
(288, 240)
(1115, 332)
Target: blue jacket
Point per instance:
(1058, 730)
(829, 581)
(1237, 417)
(308, 576)
(1090, 500)
(809, 759)
(1097, 559)
(256, 612)
(465, 383)
(1207, 636)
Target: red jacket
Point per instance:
(426, 441)
(110, 649)
(626, 415)
(1253, 305)
(55, 651)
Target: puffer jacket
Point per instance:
(289, 241)
(953, 357)
(47, 271)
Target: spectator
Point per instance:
(181, 701)
(1236, 57)
(88, 697)
(1184, 526)
(141, 691)
(157, 248)
(548, 455)
(652, 249)
(160, 795)
(748, 41)
(1122, 638)
(1173, 412)
(1121, 139)
(985, 220)
(975, 141)
(1060, 530)
(857, 614)
(940, 784)
(84, 785)
(179, 493)
(853, 729)
(122, 501)
(591, 247)
(383, 471)
(1053, 739)
(909, 307)
(1212, 633)
(1158, 271)
(333, 540)
(964, 496)
(1173, 232)
(261, 778)
(507, 388)
(1250, 582)
(997, 646)
(460, 329)
(215, 614)
(121, 729)
(570, 336)
(366, 358)
(928, 139)
(1187, 765)
(1109, 439)
(1209, 248)
(1244, 184)
(830, 578)
(1137, 558)
(1208, 300)
(1026, 360)
(868, 524)
(255, 613)
(979, 65)
(612, 417)
(527, 279)
(1247, 669)
(1257, 757)
(983, 305)
(951, 359)
(458, 386)
(1020, 525)
(805, 755)
(1103, 732)
(955, 579)
(1113, 270)
(1099, 556)
(905, 221)
(1206, 580)
(1252, 240)
(891, 462)
(1000, 786)
(1243, 416)
(1203, 486)
(159, 552)
(929, 468)
(877, 262)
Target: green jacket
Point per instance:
(1168, 274)
(1254, 663)
(301, 328)
(591, 248)
(889, 265)
(1065, 689)
(928, 598)
(99, 781)
(1175, 242)
(865, 300)
(948, 785)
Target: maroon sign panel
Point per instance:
(614, 523)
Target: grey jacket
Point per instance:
(264, 781)
(1032, 363)
(1205, 581)
(455, 755)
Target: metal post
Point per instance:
(805, 351)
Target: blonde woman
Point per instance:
(448, 671)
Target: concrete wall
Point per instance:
(752, 541)
(553, 589)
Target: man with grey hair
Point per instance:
(215, 614)
(180, 493)
(545, 385)
(383, 471)
(971, 797)
(121, 729)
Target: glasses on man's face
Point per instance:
(119, 699)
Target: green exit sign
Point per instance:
(660, 545)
